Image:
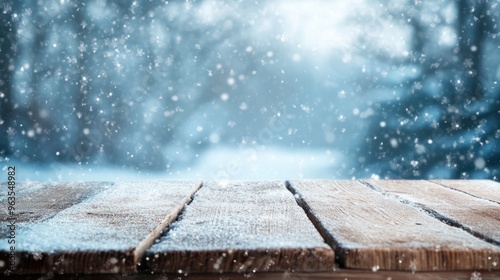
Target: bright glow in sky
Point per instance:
(316, 25)
(324, 27)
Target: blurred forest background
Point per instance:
(382, 89)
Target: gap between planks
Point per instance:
(240, 227)
(335, 221)
(477, 221)
(148, 241)
(327, 236)
(488, 190)
(162, 227)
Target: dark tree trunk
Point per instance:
(8, 48)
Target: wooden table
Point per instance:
(368, 229)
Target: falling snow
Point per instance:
(386, 90)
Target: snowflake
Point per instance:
(82, 47)
(475, 276)
(118, 67)
(37, 256)
(11, 132)
(468, 63)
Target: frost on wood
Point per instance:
(107, 232)
(476, 215)
(485, 189)
(241, 227)
(37, 202)
(370, 230)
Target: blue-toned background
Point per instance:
(250, 90)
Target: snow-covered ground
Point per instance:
(271, 163)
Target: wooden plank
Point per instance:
(371, 231)
(338, 274)
(37, 202)
(478, 216)
(106, 233)
(241, 227)
(485, 189)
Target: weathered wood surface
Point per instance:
(489, 190)
(241, 227)
(244, 227)
(107, 232)
(478, 216)
(338, 274)
(37, 202)
(371, 231)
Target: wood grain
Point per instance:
(478, 216)
(338, 274)
(37, 202)
(106, 233)
(241, 227)
(486, 189)
(371, 231)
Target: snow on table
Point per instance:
(314, 229)
(475, 215)
(105, 232)
(484, 189)
(241, 227)
(373, 229)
